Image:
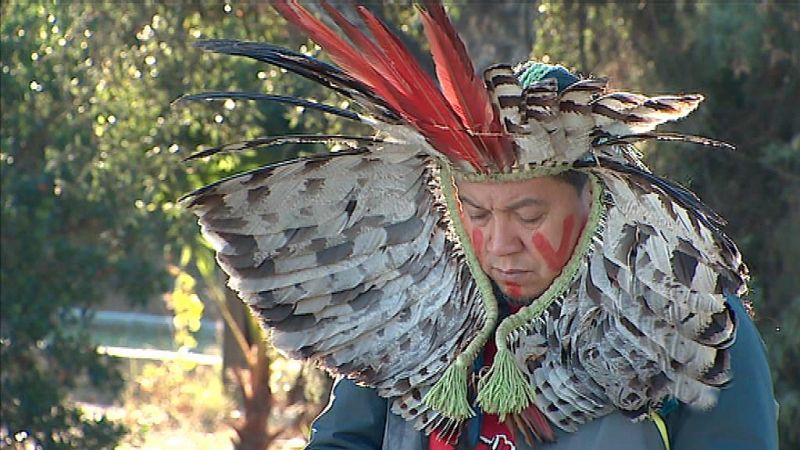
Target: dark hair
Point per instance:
(573, 177)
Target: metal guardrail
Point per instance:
(135, 335)
(160, 355)
(137, 318)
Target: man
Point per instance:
(504, 220)
(496, 268)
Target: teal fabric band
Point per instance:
(536, 71)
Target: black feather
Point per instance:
(286, 139)
(306, 66)
(605, 139)
(686, 198)
(266, 97)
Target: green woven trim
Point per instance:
(449, 395)
(505, 388)
(522, 174)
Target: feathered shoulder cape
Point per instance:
(355, 259)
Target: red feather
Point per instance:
(373, 53)
(539, 423)
(339, 49)
(454, 68)
(439, 122)
(466, 92)
(458, 121)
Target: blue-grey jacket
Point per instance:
(745, 417)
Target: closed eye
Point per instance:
(478, 215)
(531, 219)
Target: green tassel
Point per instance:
(449, 395)
(504, 389)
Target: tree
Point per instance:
(743, 57)
(63, 242)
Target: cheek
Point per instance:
(556, 258)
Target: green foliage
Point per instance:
(64, 244)
(89, 182)
(89, 161)
(187, 308)
(745, 61)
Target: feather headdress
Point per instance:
(357, 259)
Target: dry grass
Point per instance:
(177, 405)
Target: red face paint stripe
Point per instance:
(477, 244)
(556, 259)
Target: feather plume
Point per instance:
(268, 141)
(307, 66)
(458, 120)
(362, 274)
(465, 91)
(273, 98)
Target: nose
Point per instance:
(503, 239)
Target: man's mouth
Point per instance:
(509, 275)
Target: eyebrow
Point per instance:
(527, 202)
(516, 205)
(469, 202)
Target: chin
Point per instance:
(519, 299)
(522, 301)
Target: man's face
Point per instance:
(523, 232)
